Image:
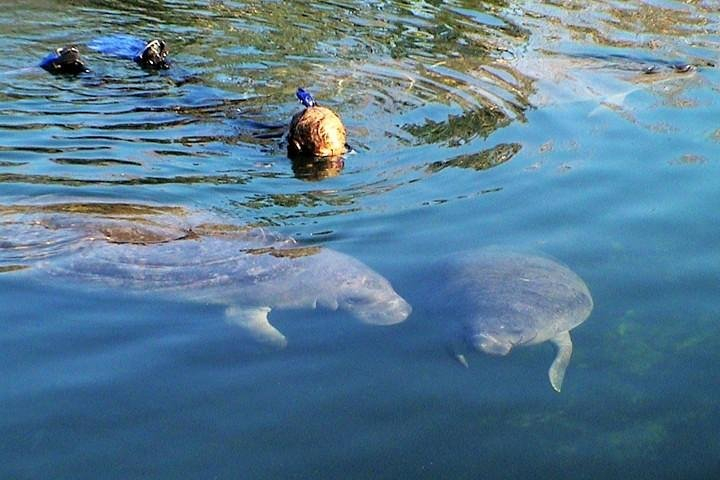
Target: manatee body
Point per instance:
(504, 299)
(247, 270)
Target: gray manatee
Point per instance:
(248, 270)
(503, 299)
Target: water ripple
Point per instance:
(406, 77)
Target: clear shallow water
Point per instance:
(517, 124)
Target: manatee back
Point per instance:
(244, 267)
(170, 251)
(212, 264)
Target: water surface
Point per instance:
(523, 124)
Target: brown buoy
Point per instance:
(316, 131)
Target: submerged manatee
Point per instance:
(504, 299)
(247, 270)
(603, 79)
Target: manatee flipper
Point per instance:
(562, 359)
(455, 349)
(462, 360)
(254, 320)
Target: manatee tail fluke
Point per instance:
(562, 359)
(255, 322)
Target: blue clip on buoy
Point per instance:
(305, 98)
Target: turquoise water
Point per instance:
(516, 124)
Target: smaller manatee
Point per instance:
(503, 299)
(316, 131)
(64, 60)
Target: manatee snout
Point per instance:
(388, 309)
